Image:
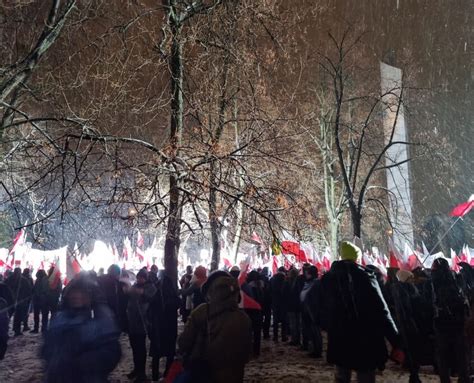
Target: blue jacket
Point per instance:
(80, 349)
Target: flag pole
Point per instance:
(441, 239)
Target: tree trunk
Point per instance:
(356, 217)
(173, 232)
(334, 231)
(214, 220)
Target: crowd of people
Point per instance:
(423, 315)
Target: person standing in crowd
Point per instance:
(235, 272)
(40, 304)
(27, 275)
(310, 297)
(55, 288)
(4, 320)
(21, 290)
(255, 289)
(78, 348)
(356, 317)
(292, 290)
(279, 305)
(153, 274)
(216, 341)
(194, 289)
(139, 297)
(407, 315)
(113, 291)
(7, 295)
(163, 317)
(186, 301)
(451, 310)
(267, 303)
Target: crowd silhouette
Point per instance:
(418, 318)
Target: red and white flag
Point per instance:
(326, 261)
(140, 254)
(411, 258)
(463, 209)
(140, 240)
(455, 262)
(19, 240)
(395, 258)
(465, 255)
(127, 249)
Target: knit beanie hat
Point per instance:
(349, 252)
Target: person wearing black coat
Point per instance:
(451, 310)
(163, 319)
(267, 303)
(4, 321)
(292, 290)
(254, 288)
(27, 275)
(40, 305)
(408, 315)
(279, 305)
(356, 318)
(7, 295)
(113, 290)
(310, 301)
(22, 290)
(140, 296)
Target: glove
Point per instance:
(397, 355)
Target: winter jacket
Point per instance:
(194, 290)
(81, 349)
(356, 317)
(310, 299)
(113, 292)
(451, 307)
(4, 320)
(413, 323)
(163, 319)
(20, 288)
(137, 308)
(292, 291)
(219, 333)
(5, 293)
(40, 291)
(279, 300)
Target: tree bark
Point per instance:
(173, 233)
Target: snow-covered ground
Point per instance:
(277, 363)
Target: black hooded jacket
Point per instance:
(356, 317)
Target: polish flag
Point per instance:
(19, 240)
(411, 257)
(140, 254)
(326, 261)
(395, 258)
(455, 262)
(127, 249)
(290, 245)
(463, 209)
(227, 263)
(255, 238)
(275, 265)
(140, 239)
